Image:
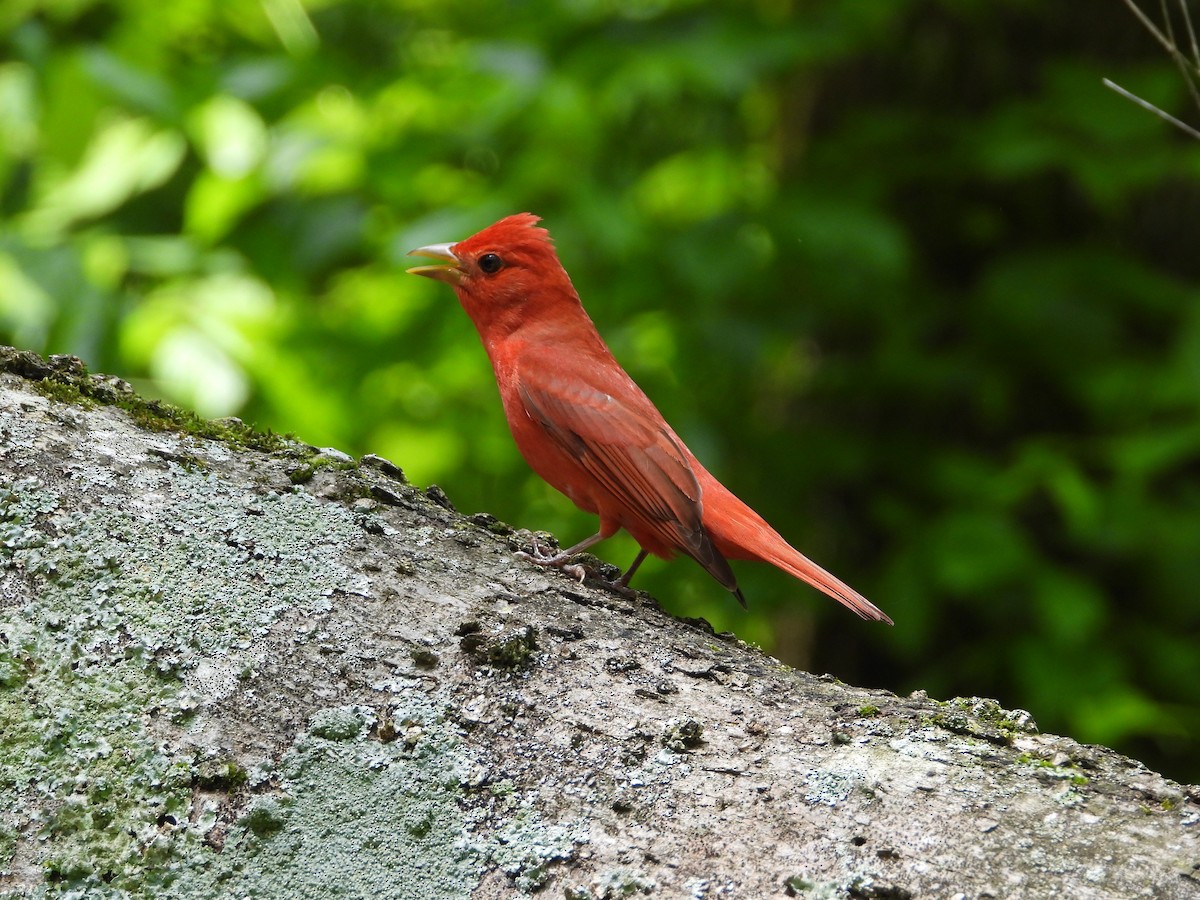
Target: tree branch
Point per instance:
(232, 664)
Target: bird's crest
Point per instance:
(516, 231)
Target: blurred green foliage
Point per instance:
(903, 274)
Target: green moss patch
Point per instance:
(66, 379)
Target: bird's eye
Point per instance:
(490, 264)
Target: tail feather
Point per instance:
(798, 565)
(738, 532)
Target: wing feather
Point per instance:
(628, 448)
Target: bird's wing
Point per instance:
(620, 439)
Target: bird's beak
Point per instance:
(451, 274)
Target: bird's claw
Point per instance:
(540, 557)
(580, 573)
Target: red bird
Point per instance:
(585, 427)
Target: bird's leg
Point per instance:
(621, 585)
(623, 581)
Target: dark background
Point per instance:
(905, 276)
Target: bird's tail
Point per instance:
(738, 532)
(783, 556)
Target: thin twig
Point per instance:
(1152, 108)
(1181, 62)
(1170, 29)
(1188, 69)
(1187, 20)
(1151, 27)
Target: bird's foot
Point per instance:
(541, 556)
(541, 553)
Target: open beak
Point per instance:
(451, 274)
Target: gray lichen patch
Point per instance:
(119, 612)
(8, 847)
(358, 816)
(354, 817)
(619, 883)
(73, 764)
(526, 848)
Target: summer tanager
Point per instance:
(585, 427)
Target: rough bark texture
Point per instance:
(232, 665)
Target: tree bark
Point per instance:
(235, 665)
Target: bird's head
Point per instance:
(502, 274)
